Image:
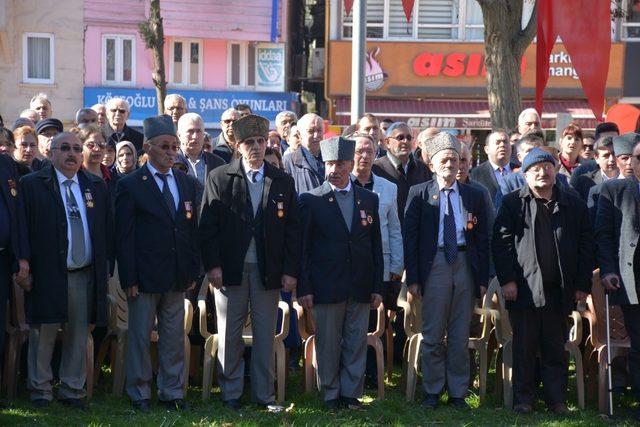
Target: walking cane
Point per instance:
(614, 282)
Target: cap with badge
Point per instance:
(442, 141)
(623, 144)
(158, 125)
(250, 126)
(337, 148)
(47, 124)
(535, 156)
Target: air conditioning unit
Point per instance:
(317, 63)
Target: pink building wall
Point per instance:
(215, 22)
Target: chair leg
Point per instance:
(119, 363)
(412, 370)
(89, 366)
(483, 373)
(187, 360)
(377, 346)
(208, 359)
(602, 381)
(281, 370)
(12, 359)
(389, 338)
(507, 385)
(309, 377)
(579, 375)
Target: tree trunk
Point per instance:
(505, 43)
(152, 32)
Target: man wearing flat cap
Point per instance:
(341, 273)
(250, 242)
(617, 236)
(158, 259)
(446, 256)
(543, 254)
(46, 129)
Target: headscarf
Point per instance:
(130, 145)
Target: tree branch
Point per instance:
(525, 37)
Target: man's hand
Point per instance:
(192, 286)
(22, 276)
(395, 277)
(215, 277)
(376, 300)
(581, 297)
(132, 292)
(306, 302)
(483, 291)
(611, 282)
(288, 283)
(414, 290)
(510, 291)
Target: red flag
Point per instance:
(407, 5)
(348, 4)
(585, 29)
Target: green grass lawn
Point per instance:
(304, 409)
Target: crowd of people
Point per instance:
(341, 224)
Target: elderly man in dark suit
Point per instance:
(618, 238)
(305, 164)
(191, 134)
(446, 251)
(399, 165)
(14, 245)
(118, 111)
(70, 224)
(250, 239)
(341, 276)
(543, 253)
(158, 259)
(493, 172)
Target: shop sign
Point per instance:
(209, 104)
(270, 67)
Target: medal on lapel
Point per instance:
(88, 198)
(471, 221)
(280, 209)
(188, 209)
(369, 219)
(12, 187)
(363, 217)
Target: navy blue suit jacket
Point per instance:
(337, 264)
(15, 205)
(420, 232)
(157, 252)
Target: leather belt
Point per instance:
(78, 270)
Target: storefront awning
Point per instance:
(458, 114)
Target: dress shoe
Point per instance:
(234, 404)
(523, 408)
(559, 409)
(175, 404)
(332, 405)
(458, 403)
(74, 403)
(352, 403)
(143, 405)
(431, 401)
(272, 407)
(40, 403)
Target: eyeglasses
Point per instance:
(65, 148)
(407, 138)
(92, 145)
(119, 110)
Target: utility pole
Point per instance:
(358, 50)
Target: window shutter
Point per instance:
(398, 25)
(443, 12)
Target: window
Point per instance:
(118, 60)
(430, 20)
(631, 22)
(38, 58)
(186, 63)
(241, 66)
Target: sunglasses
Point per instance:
(407, 138)
(119, 110)
(65, 148)
(587, 147)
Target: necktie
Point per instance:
(166, 194)
(77, 230)
(449, 232)
(253, 176)
(343, 192)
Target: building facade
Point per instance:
(41, 52)
(217, 54)
(429, 71)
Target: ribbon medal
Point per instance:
(363, 218)
(88, 198)
(280, 206)
(471, 221)
(188, 210)
(12, 186)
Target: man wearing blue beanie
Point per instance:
(543, 253)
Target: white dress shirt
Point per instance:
(336, 189)
(171, 180)
(456, 204)
(82, 207)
